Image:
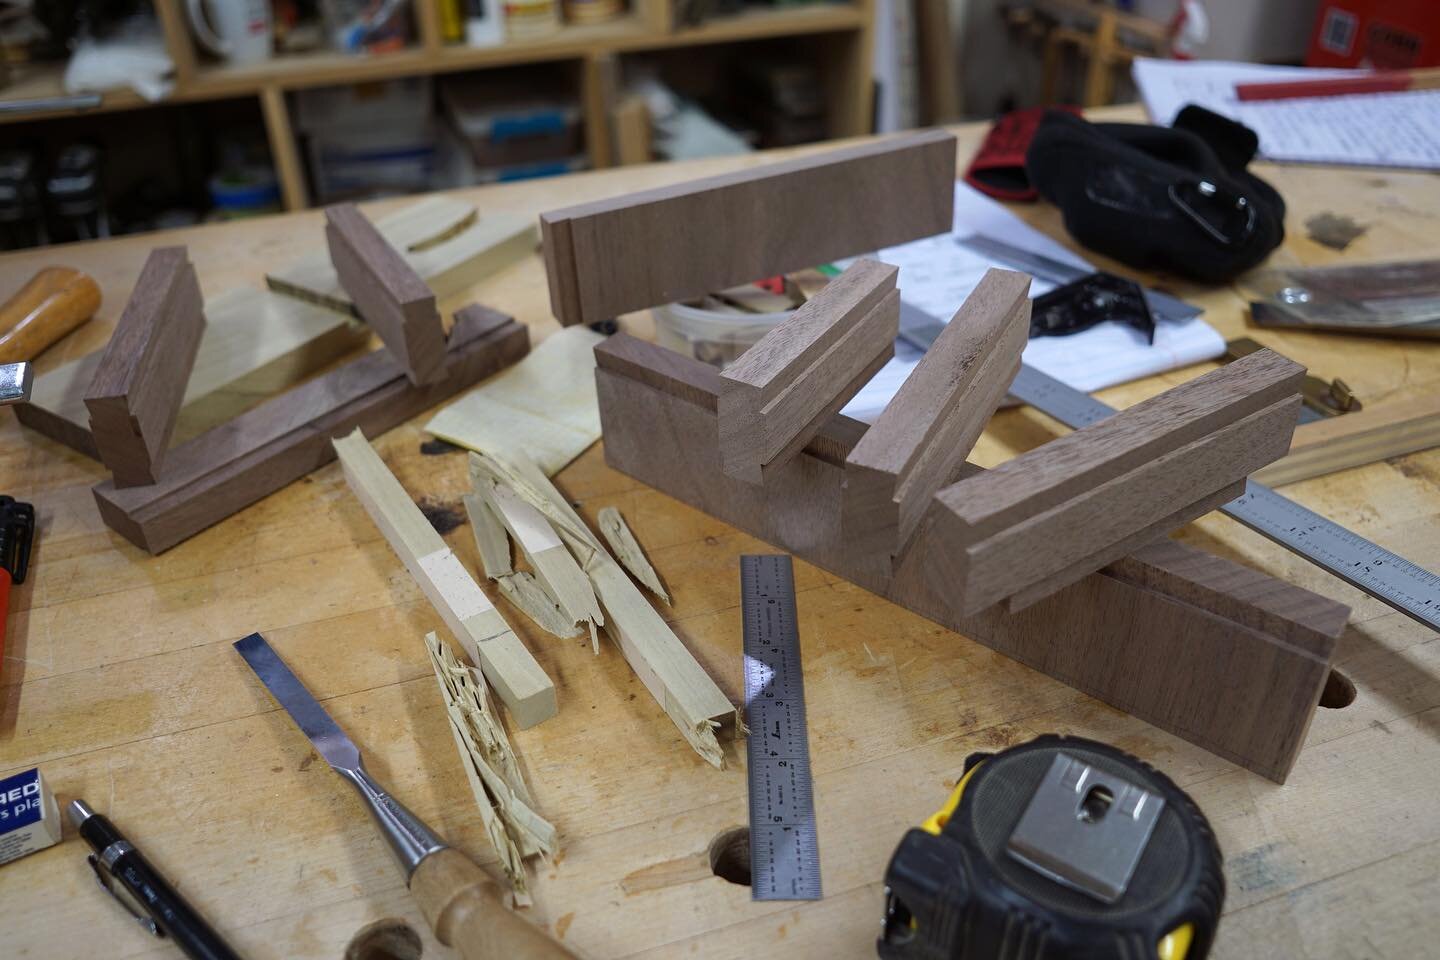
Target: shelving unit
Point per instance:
(845, 28)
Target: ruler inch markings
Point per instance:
(784, 847)
(1386, 576)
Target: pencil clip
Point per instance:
(122, 896)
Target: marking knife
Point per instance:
(461, 904)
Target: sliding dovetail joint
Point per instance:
(782, 390)
(387, 292)
(1047, 518)
(134, 398)
(921, 439)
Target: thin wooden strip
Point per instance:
(622, 541)
(1355, 439)
(481, 630)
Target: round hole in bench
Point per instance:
(730, 855)
(1339, 691)
(387, 939)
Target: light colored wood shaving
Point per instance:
(623, 543)
(506, 807)
(525, 592)
(677, 682)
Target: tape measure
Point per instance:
(1386, 576)
(1057, 848)
(784, 846)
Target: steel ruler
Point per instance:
(1392, 579)
(784, 845)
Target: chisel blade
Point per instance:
(328, 739)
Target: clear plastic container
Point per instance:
(716, 338)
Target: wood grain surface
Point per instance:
(1249, 695)
(120, 682)
(134, 397)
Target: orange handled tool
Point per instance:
(54, 302)
(17, 531)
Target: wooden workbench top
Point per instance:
(119, 679)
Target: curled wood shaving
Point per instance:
(506, 808)
(630, 619)
(617, 533)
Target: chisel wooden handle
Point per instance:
(54, 302)
(464, 908)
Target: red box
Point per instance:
(1381, 34)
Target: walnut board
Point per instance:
(134, 396)
(1248, 695)
(120, 683)
(682, 241)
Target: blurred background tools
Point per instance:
(125, 874)
(1069, 845)
(461, 904)
(55, 301)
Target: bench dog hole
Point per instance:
(1339, 691)
(730, 855)
(388, 939)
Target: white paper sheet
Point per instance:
(937, 274)
(1376, 129)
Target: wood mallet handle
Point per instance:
(464, 908)
(54, 302)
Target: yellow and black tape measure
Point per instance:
(1057, 848)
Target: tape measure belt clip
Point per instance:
(962, 892)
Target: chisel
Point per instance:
(461, 904)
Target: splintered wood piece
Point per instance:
(255, 344)
(388, 293)
(134, 397)
(629, 552)
(555, 569)
(481, 630)
(685, 240)
(444, 240)
(1076, 503)
(927, 430)
(520, 588)
(780, 391)
(507, 811)
(1355, 439)
(667, 669)
(237, 463)
(1220, 655)
(490, 538)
